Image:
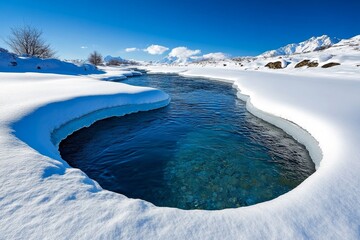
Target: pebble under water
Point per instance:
(203, 151)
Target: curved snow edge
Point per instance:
(88, 119)
(44, 128)
(300, 134)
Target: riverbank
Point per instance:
(42, 196)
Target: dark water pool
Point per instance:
(203, 151)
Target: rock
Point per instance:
(274, 65)
(313, 64)
(302, 63)
(331, 64)
(307, 63)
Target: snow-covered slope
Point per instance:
(10, 62)
(354, 41)
(312, 44)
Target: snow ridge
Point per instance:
(310, 45)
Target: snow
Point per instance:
(12, 63)
(183, 56)
(310, 45)
(216, 56)
(42, 197)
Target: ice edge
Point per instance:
(300, 134)
(86, 120)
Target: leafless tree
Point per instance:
(95, 58)
(27, 40)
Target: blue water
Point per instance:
(203, 151)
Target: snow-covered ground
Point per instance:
(41, 197)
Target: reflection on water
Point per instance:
(203, 151)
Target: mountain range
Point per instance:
(310, 45)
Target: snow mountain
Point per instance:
(310, 45)
(175, 60)
(351, 42)
(116, 61)
(109, 58)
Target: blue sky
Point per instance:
(232, 27)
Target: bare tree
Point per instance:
(27, 40)
(95, 58)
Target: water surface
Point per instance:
(203, 151)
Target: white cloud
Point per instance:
(216, 56)
(83, 47)
(183, 53)
(131, 49)
(156, 49)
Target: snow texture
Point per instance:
(43, 198)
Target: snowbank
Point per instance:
(42, 197)
(10, 62)
(36, 182)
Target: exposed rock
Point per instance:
(274, 65)
(331, 64)
(313, 64)
(302, 63)
(307, 63)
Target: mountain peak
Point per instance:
(312, 44)
(108, 58)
